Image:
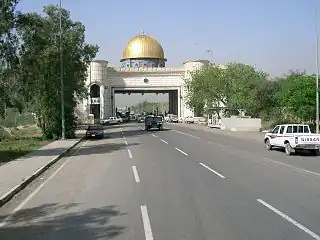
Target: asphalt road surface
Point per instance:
(175, 184)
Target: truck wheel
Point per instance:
(268, 145)
(288, 149)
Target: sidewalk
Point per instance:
(257, 136)
(16, 174)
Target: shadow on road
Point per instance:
(139, 132)
(102, 148)
(54, 221)
(297, 153)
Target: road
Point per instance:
(179, 183)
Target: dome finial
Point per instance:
(142, 32)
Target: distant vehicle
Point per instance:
(114, 120)
(174, 119)
(133, 117)
(189, 120)
(104, 122)
(95, 131)
(119, 119)
(152, 121)
(168, 117)
(141, 119)
(292, 137)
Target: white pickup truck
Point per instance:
(292, 137)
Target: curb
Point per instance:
(9, 195)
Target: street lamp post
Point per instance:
(63, 129)
(210, 51)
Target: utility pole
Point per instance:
(317, 73)
(210, 51)
(63, 129)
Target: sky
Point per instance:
(273, 35)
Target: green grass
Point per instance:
(20, 141)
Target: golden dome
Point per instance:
(143, 46)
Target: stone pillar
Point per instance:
(175, 102)
(179, 102)
(113, 103)
(101, 102)
(171, 102)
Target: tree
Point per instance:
(298, 96)
(268, 102)
(40, 67)
(234, 86)
(207, 88)
(9, 88)
(244, 82)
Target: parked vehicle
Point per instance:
(104, 122)
(152, 121)
(119, 119)
(141, 119)
(168, 117)
(174, 119)
(292, 137)
(95, 131)
(189, 120)
(114, 120)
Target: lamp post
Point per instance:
(63, 129)
(210, 51)
(317, 73)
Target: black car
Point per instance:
(153, 122)
(95, 131)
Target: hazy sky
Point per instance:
(273, 35)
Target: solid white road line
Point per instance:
(181, 151)
(163, 141)
(37, 190)
(293, 167)
(154, 135)
(135, 173)
(146, 223)
(289, 219)
(130, 154)
(125, 141)
(210, 169)
(187, 134)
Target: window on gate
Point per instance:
(95, 91)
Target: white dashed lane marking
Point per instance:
(181, 151)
